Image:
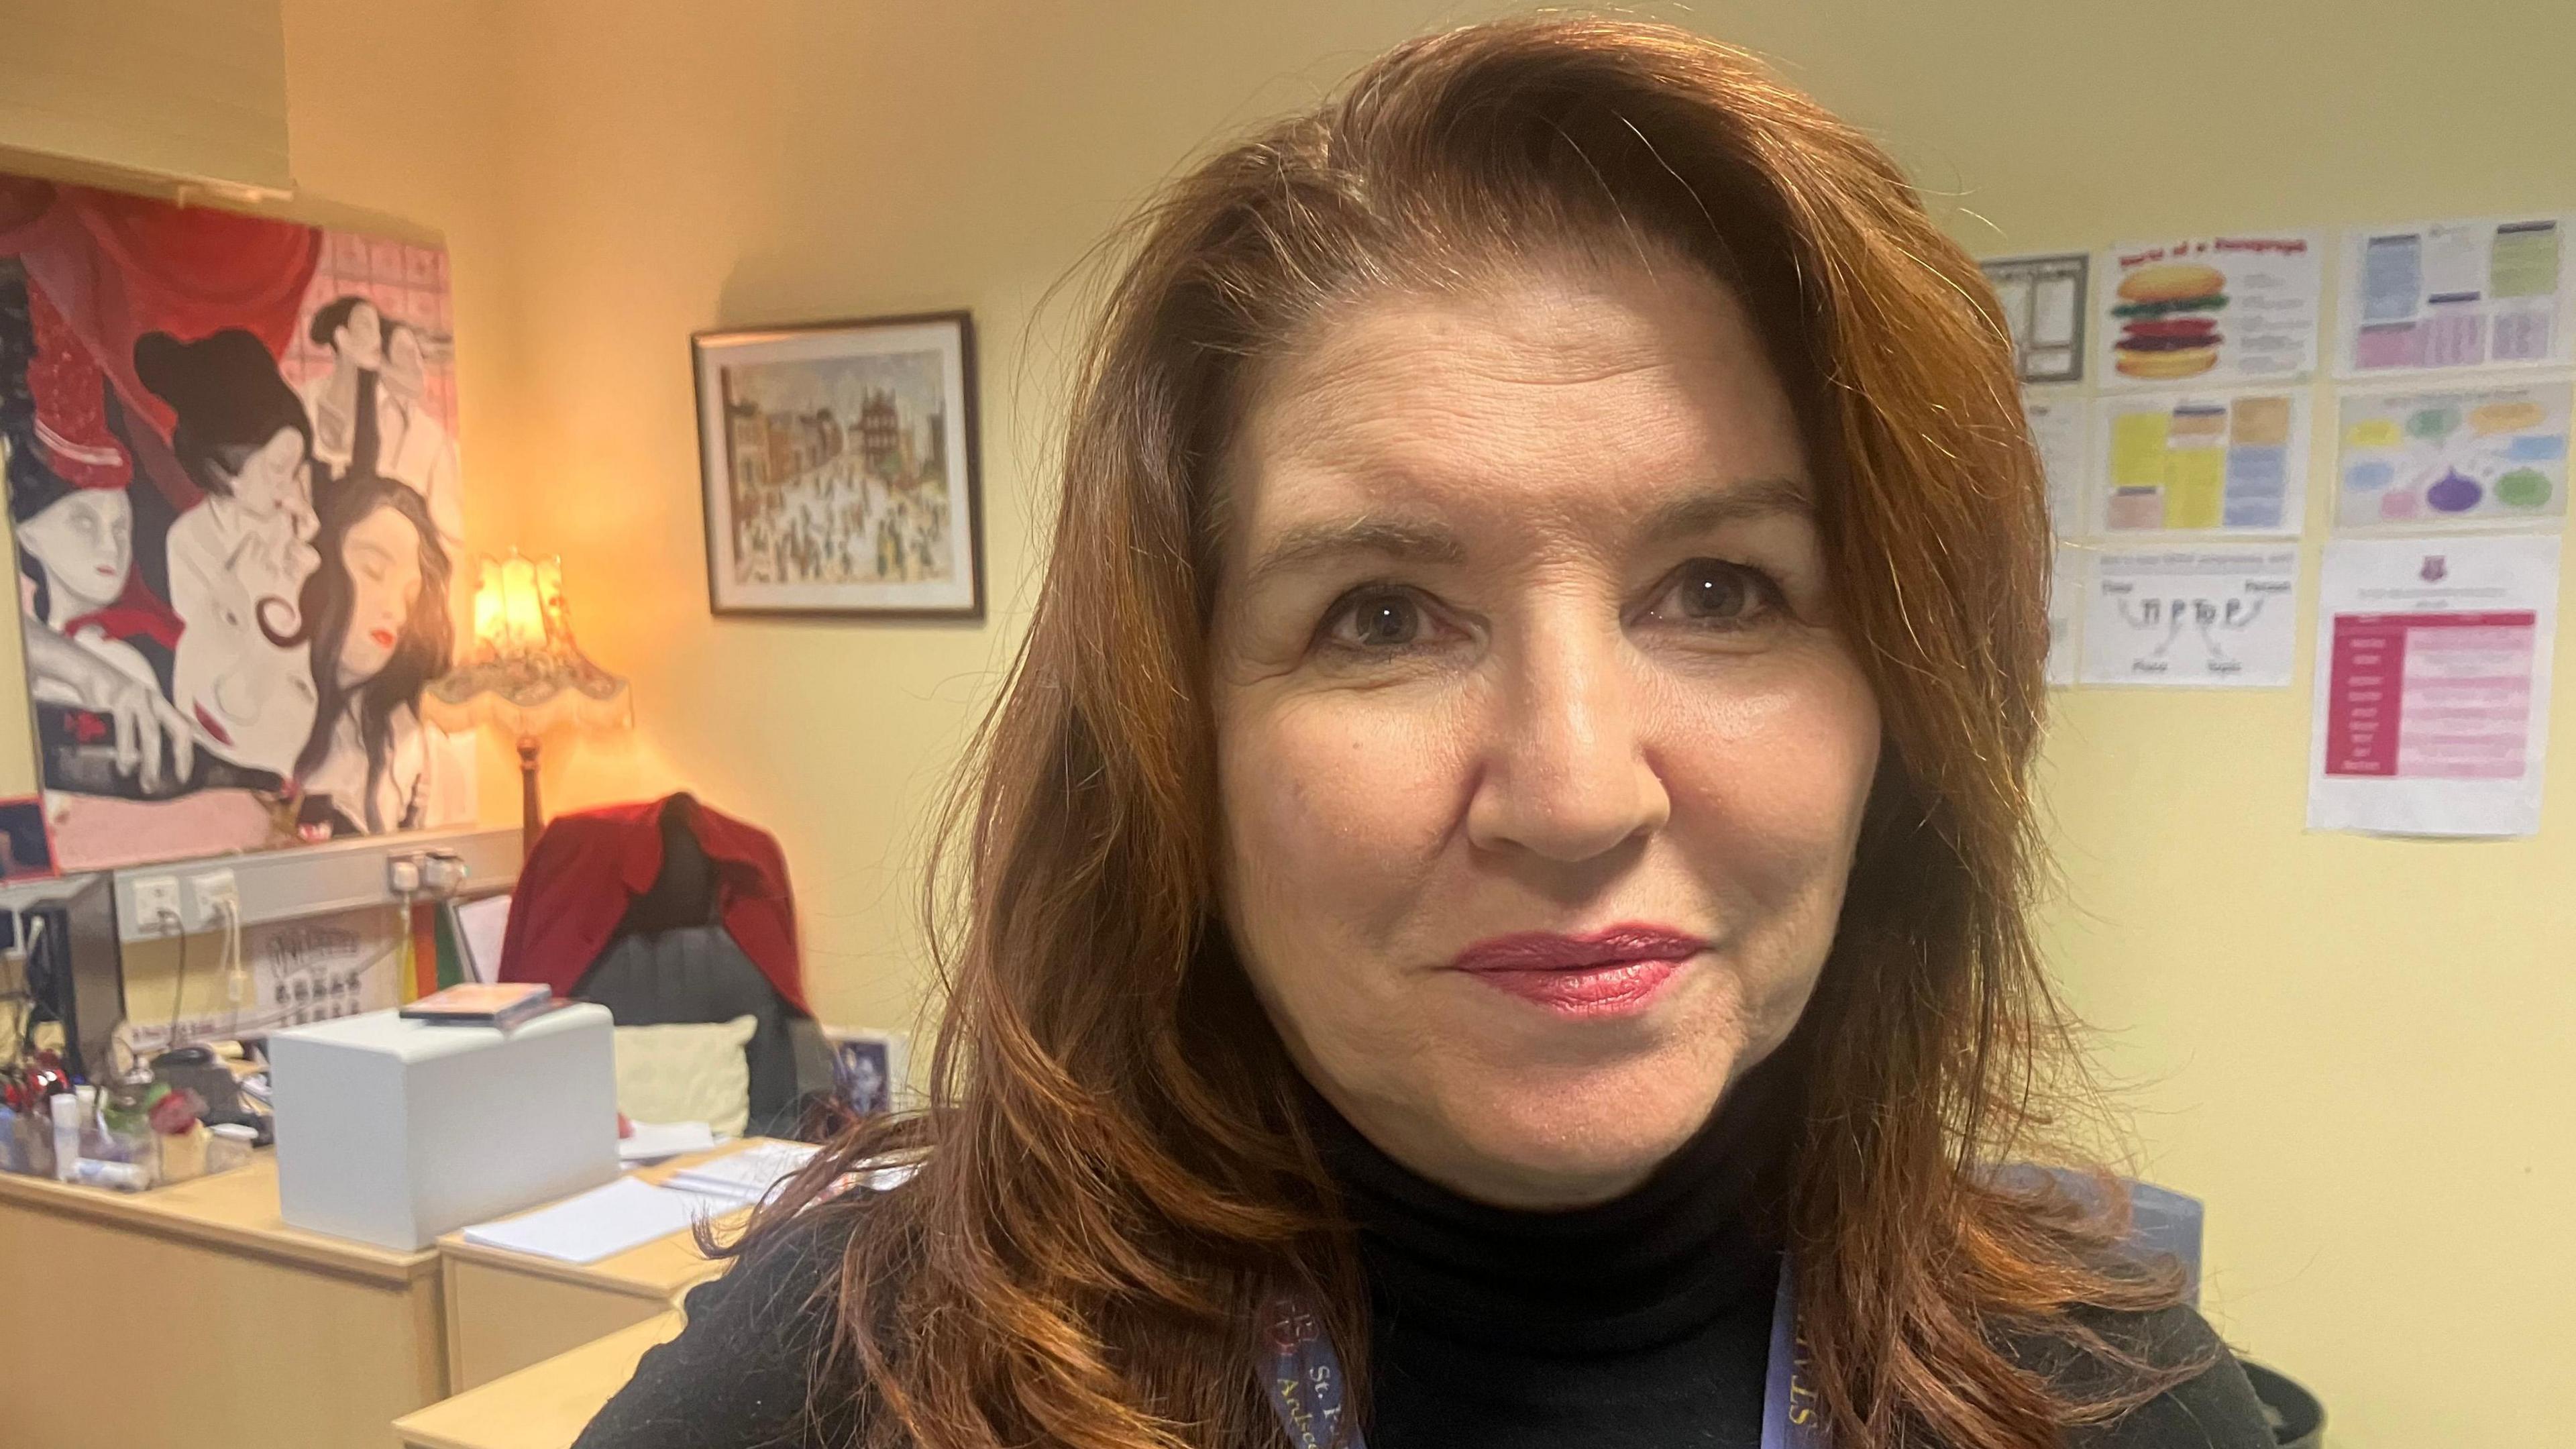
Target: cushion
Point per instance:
(688, 1073)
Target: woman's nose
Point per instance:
(1566, 775)
(236, 696)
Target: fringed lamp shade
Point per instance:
(526, 675)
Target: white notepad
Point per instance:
(599, 1223)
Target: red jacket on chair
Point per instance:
(590, 865)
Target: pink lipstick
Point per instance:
(1617, 971)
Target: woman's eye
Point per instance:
(1376, 619)
(1715, 592)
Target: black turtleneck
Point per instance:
(1608, 1325)
(1643, 1323)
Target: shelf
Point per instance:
(312, 880)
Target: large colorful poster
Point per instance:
(233, 486)
(2203, 462)
(2450, 294)
(2483, 455)
(2210, 310)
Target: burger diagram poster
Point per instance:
(2219, 309)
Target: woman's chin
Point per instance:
(1574, 1144)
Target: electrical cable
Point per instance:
(178, 993)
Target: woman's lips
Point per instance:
(214, 730)
(383, 638)
(1613, 972)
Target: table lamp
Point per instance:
(526, 675)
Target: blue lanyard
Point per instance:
(1304, 1377)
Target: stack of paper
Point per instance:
(600, 1223)
(653, 1141)
(747, 1176)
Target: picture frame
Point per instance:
(867, 1069)
(839, 468)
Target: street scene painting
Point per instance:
(839, 468)
(230, 447)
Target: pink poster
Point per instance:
(2433, 685)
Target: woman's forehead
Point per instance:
(1602, 394)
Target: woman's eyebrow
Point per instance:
(1705, 510)
(1310, 544)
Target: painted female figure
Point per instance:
(374, 623)
(242, 436)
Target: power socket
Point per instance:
(156, 906)
(208, 894)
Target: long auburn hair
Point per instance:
(1117, 1174)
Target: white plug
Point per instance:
(402, 875)
(213, 898)
(443, 872)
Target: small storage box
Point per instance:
(393, 1132)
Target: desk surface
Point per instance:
(657, 1270)
(236, 1210)
(540, 1407)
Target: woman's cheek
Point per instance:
(1338, 804)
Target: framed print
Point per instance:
(867, 1069)
(839, 467)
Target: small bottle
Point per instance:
(123, 1176)
(67, 1135)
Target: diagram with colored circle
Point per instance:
(2485, 456)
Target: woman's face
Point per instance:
(361, 340)
(272, 481)
(405, 375)
(85, 541)
(251, 699)
(1542, 758)
(382, 555)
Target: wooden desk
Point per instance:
(540, 1407)
(267, 1336)
(507, 1311)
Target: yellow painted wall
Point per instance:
(2358, 1051)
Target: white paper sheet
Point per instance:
(2163, 320)
(2043, 303)
(2068, 583)
(653, 1141)
(484, 921)
(2434, 295)
(597, 1224)
(2201, 618)
(748, 1175)
(2493, 456)
(2060, 432)
(2205, 463)
(2432, 702)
